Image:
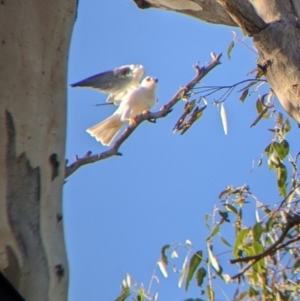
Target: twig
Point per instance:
(164, 111)
(292, 221)
(214, 89)
(257, 259)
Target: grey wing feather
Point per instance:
(109, 81)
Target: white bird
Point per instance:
(133, 103)
(117, 82)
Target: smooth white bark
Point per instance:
(34, 45)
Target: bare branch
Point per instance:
(150, 116)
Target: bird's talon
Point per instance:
(132, 122)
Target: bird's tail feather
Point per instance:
(107, 130)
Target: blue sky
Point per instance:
(119, 212)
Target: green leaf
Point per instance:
(257, 248)
(269, 224)
(282, 149)
(230, 47)
(140, 296)
(280, 118)
(224, 192)
(249, 250)
(225, 242)
(241, 296)
(215, 230)
(259, 106)
(201, 273)
(285, 147)
(206, 216)
(174, 254)
(230, 208)
(239, 241)
(281, 173)
(259, 117)
(253, 292)
(277, 149)
(295, 268)
(162, 267)
(259, 163)
(287, 125)
(210, 293)
(244, 95)
(213, 260)
(197, 113)
(273, 161)
(240, 213)
(164, 257)
(194, 263)
(269, 149)
(128, 280)
(226, 278)
(282, 191)
(124, 295)
(188, 243)
(224, 118)
(224, 214)
(257, 231)
(183, 271)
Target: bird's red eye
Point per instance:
(148, 79)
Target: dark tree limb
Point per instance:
(150, 116)
(297, 238)
(291, 222)
(244, 14)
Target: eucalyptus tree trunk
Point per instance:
(34, 45)
(275, 28)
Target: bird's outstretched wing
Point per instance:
(115, 82)
(134, 102)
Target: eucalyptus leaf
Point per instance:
(193, 265)
(201, 273)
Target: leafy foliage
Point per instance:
(260, 259)
(264, 256)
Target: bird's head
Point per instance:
(149, 82)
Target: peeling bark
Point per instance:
(23, 209)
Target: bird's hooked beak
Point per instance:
(156, 80)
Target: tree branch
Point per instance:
(150, 116)
(257, 259)
(209, 10)
(291, 222)
(244, 14)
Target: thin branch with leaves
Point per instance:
(88, 158)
